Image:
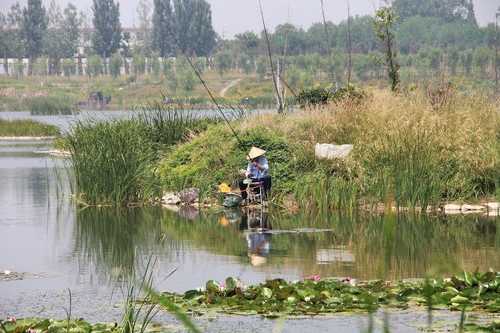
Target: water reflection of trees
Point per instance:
(113, 241)
(366, 247)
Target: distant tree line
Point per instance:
(430, 36)
(35, 31)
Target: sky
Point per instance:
(231, 17)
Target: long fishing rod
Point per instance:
(198, 74)
(270, 54)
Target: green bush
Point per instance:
(215, 156)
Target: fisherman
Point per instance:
(257, 171)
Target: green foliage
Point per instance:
(59, 326)
(163, 28)
(113, 162)
(215, 156)
(449, 10)
(34, 25)
(223, 62)
(68, 67)
(314, 97)
(139, 63)
(107, 35)
(187, 79)
(51, 105)
(94, 66)
(322, 96)
(275, 298)
(26, 128)
(384, 21)
(115, 65)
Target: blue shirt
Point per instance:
(256, 173)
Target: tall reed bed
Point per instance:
(26, 128)
(114, 161)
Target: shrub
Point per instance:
(215, 156)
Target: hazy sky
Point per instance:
(234, 16)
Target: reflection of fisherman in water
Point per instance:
(255, 224)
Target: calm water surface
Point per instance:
(93, 251)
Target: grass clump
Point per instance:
(51, 105)
(114, 162)
(26, 128)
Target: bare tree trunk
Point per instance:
(6, 64)
(349, 45)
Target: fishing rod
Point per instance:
(210, 94)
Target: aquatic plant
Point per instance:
(26, 128)
(114, 161)
(474, 291)
(51, 105)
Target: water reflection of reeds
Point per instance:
(366, 247)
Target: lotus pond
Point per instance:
(49, 245)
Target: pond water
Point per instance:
(57, 246)
(64, 122)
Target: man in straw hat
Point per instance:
(257, 171)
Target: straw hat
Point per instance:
(255, 152)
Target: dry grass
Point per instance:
(406, 149)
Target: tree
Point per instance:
(14, 36)
(4, 42)
(115, 65)
(481, 58)
(246, 63)
(155, 66)
(223, 62)
(107, 35)
(163, 33)
(188, 79)
(144, 36)
(53, 40)
(453, 59)
(262, 65)
(34, 25)
(384, 21)
(94, 66)
(139, 63)
(68, 67)
(126, 50)
(449, 10)
(72, 23)
(194, 33)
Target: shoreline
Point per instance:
(27, 138)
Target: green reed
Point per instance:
(26, 128)
(321, 192)
(114, 161)
(406, 167)
(51, 105)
